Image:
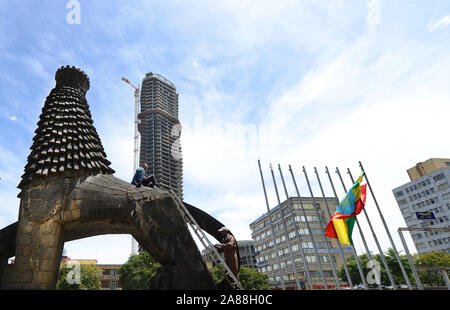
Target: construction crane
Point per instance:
(136, 133)
(136, 144)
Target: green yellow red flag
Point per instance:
(341, 223)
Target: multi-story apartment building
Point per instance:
(280, 249)
(109, 277)
(108, 274)
(428, 192)
(160, 131)
(247, 253)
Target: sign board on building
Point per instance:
(425, 215)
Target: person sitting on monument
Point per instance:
(142, 177)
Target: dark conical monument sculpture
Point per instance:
(68, 192)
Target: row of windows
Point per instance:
(446, 196)
(413, 187)
(428, 234)
(422, 194)
(287, 263)
(301, 275)
(439, 220)
(294, 248)
(439, 177)
(438, 242)
(280, 227)
(285, 211)
(443, 186)
(282, 238)
(425, 203)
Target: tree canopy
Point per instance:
(136, 273)
(251, 279)
(88, 278)
(428, 265)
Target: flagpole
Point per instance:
(271, 228)
(361, 273)
(386, 266)
(405, 275)
(297, 235)
(323, 230)
(339, 244)
(285, 228)
(357, 223)
(411, 263)
(309, 228)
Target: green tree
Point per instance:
(429, 267)
(136, 273)
(251, 279)
(88, 278)
(353, 269)
(394, 266)
(391, 261)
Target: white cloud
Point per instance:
(36, 68)
(374, 12)
(442, 23)
(381, 94)
(384, 107)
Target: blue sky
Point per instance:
(309, 83)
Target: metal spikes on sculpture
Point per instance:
(66, 139)
(68, 192)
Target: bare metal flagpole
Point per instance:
(405, 275)
(329, 216)
(297, 234)
(361, 273)
(286, 230)
(386, 266)
(309, 229)
(411, 263)
(323, 230)
(271, 227)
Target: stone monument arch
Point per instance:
(68, 192)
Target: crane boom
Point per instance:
(136, 143)
(127, 81)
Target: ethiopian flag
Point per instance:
(341, 223)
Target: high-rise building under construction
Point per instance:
(160, 131)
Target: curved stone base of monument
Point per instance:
(180, 278)
(61, 209)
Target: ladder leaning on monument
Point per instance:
(210, 249)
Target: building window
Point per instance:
(398, 194)
(438, 177)
(446, 196)
(113, 272)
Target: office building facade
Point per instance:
(428, 193)
(278, 253)
(247, 253)
(108, 274)
(160, 131)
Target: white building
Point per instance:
(428, 191)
